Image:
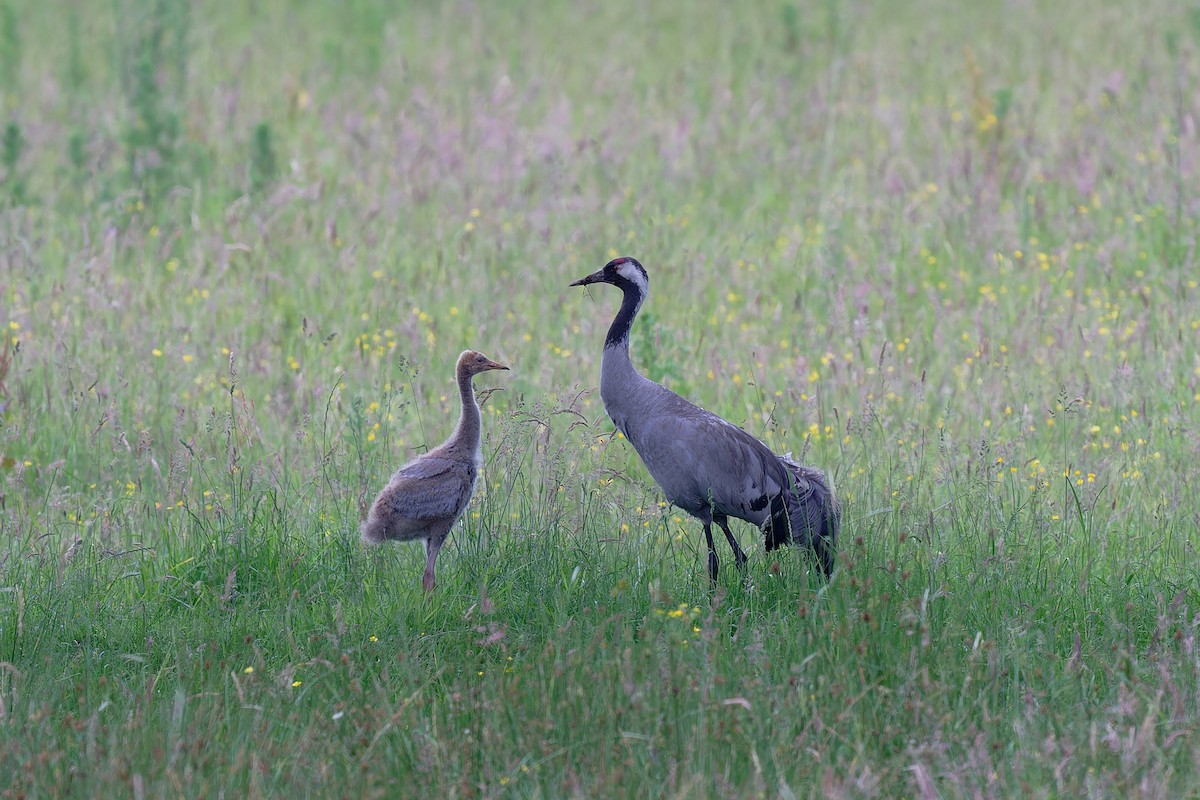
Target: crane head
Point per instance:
(624, 273)
(474, 363)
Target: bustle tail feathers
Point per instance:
(809, 514)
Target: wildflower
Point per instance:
(248, 670)
(295, 684)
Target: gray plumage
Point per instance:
(426, 496)
(705, 465)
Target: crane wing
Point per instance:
(430, 489)
(700, 459)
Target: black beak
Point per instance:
(595, 277)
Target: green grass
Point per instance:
(946, 253)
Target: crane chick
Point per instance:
(427, 495)
(705, 465)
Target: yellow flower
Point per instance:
(248, 670)
(295, 684)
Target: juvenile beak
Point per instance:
(495, 365)
(595, 277)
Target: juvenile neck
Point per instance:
(467, 432)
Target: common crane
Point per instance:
(705, 465)
(427, 495)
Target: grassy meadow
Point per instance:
(945, 251)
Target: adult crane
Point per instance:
(707, 466)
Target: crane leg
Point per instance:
(739, 555)
(712, 553)
(432, 546)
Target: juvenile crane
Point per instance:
(427, 495)
(706, 466)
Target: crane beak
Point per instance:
(494, 365)
(595, 277)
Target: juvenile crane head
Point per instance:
(472, 363)
(625, 273)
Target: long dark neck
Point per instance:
(618, 332)
(467, 432)
(618, 377)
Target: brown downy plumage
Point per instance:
(427, 495)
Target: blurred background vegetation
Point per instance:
(945, 251)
